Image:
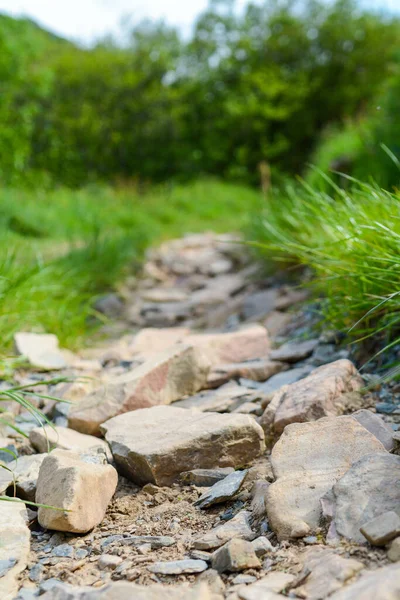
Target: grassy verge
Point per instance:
(351, 241)
(62, 248)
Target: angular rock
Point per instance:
(224, 399)
(293, 352)
(109, 561)
(276, 382)
(222, 490)
(257, 306)
(151, 340)
(236, 528)
(14, 547)
(256, 370)
(46, 438)
(41, 350)
(394, 550)
(24, 472)
(205, 477)
(366, 491)
(147, 449)
(307, 461)
(268, 587)
(246, 344)
(382, 529)
(320, 394)
(155, 541)
(383, 583)
(178, 567)
(236, 555)
(377, 426)
(329, 573)
(262, 546)
(170, 375)
(122, 590)
(81, 486)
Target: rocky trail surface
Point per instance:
(214, 447)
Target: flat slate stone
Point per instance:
(223, 490)
(294, 351)
(204, 477)
(179, 567)
(156, 445)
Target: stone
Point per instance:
(154, 541)
(367, 490)
(224, 399)
(148, 450)
(268, 587)
(328, 573)
(41, 350)
(277, 381)
(235, 555)
(258, 305)
(8, 450)
(109, 561)
(384, 583)
(262, 546)
(24, 472)
(236, 528)
(178, 567)
(256, 370)
(222, 490)
(320, 394)
(109, 305)
(377, 426)
(164, 295)
(382, 529)
(245, 344)
(204, 477)
(293, 352)
(277, 322)
(63, 551)
(75, 484)
(307, 461)
(122, 590)
(46, 438)
(213, 580)
(394, 550)
(151, 340)
(179, 371)
(14, 547)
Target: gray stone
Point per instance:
(328, 573)
(262, 546)
(268, 587)
(155, 541)
(383, 583)
(36, 572)
(382, 529)
(377, 426)
(63, 550)
(258, 305)
(235, 555)
(236, 528)
(243, 579)
(376, 478)
(25, 472)
(109, 561)
(148, 450)
(204, 477)
(14, 547)
(285, 378)
(394, 550)
(224, 399)
(222, 490)
(46, 438)
(213, 580)
(41, 350)
(307, 461)
(294, 351)
(256, 370)
(122, 590)
(178, 567)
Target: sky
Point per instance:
(87, 20)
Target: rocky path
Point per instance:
(218, 449)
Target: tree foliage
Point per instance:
(251, 86)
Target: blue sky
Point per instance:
(85, 20)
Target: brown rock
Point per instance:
(236, 555)
(46, 438)
(246, 344)
(268, 587)
(152, 340)
(307, 461)
(256, 370)
(155, 445)
(179, 371)
(82, 486)
(236, 528)
(377, 426)
(394, 550)
(317, 395)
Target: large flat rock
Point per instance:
(41, 350)
(382, 584)
(157, 444)
(46, 438)
(370, 488)
(14, 546)
(233, 347)
(320, 394)
(307, 461)
(168, 376)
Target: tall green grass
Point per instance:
(351, 241)
(61, 248)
